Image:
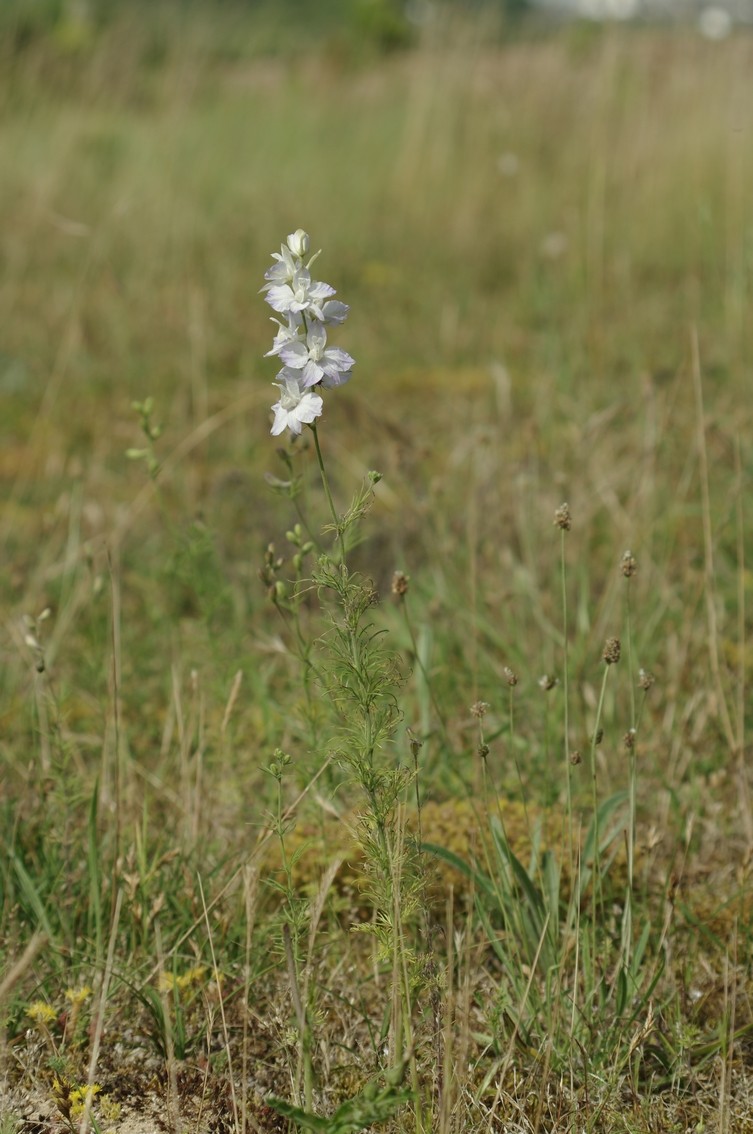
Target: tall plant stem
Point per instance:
(632, 752)
(566, 694)
(328, 493)
(596, 895)
(627, 917)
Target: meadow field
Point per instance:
(334, 802)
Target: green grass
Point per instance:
(546, 244)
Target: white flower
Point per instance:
(286, 334)
(284, 270)
(289, 260)
(334, 311)
(297, 407)
(302, 295)
(316, 361)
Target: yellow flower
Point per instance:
(78, 996)
(80, 1096)
(170, 981)
(192, 976)
(109, 1109)
(41, 1012)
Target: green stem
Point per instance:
(627, 943)
(565, 691)
(596, 869)
(328, 493)
(632, 752)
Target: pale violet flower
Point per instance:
(316, 361)
(297, 407)
(302, 295)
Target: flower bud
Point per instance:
(298, 242)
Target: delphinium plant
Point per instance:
(349, 667)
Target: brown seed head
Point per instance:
(400, 583)
(629, 738)
(575, 757)
(562, 517)
(547, 682)
(629, 564)
(511, 676)
(483, 751)
(611, 651)
(479, 709)
(599, 736)
(645, 680)
(415, 744)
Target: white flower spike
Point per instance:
(301, 340)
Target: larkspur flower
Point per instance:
(300, 342)
(334, 311)
(297, 407)
(302, 295)
(317, 362)
(289, 332)
(289, 258)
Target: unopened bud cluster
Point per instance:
(305, 546)
(268, 572)
(278, 765)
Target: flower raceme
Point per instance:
(301, 340)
